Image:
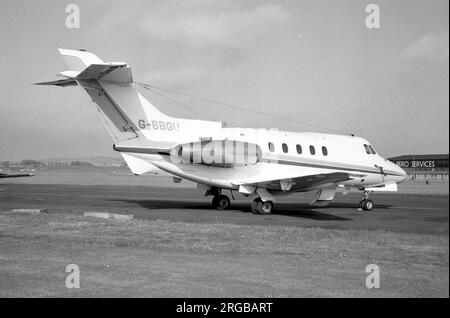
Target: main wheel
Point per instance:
(221, 202)
(367, 205)
(266, 208)
(255, 205)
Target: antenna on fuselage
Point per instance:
(151, 88)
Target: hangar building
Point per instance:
(432, 166)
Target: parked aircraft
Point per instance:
(17, 175)
(261, 163)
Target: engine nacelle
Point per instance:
(218, 153)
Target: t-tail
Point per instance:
(131, 120)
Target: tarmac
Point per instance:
(406, 213)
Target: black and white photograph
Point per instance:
(224, 154)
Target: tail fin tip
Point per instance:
(78, 60)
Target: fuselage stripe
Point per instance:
(330, 167)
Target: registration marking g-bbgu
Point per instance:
(159, 125)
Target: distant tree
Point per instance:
(4, 164)
(29, 162)
(81, 163)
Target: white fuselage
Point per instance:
(330, 153)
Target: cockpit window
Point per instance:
(367, 149)
(372, 150)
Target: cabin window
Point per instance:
(285, 148)
(312, 150)
(271, 147)
(325, 151)
(367, 149)
(299, 149)
(372, 150)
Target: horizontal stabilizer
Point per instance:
(112, 72)
(62, 83)
(87, 66)
(97, 71)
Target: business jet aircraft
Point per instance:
(17, 175)
(263, 163)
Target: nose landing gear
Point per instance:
(219, 201)
(366, 204)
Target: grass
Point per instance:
(142, 258)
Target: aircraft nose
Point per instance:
(401, 174)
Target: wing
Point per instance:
(301, 183)
(325, 183)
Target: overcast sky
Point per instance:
(313, 61)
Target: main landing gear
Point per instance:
(222, 202)
(366, 204)
(260, 207)
(219, 201)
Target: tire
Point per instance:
(255, 205)
(361, 203)
(221, 202)
(265, 208)
(367, 205)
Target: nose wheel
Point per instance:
(366, 204)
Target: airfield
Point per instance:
(178, 246)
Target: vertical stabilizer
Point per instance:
(123, 110)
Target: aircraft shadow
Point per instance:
(340, 205)
(285, 209)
